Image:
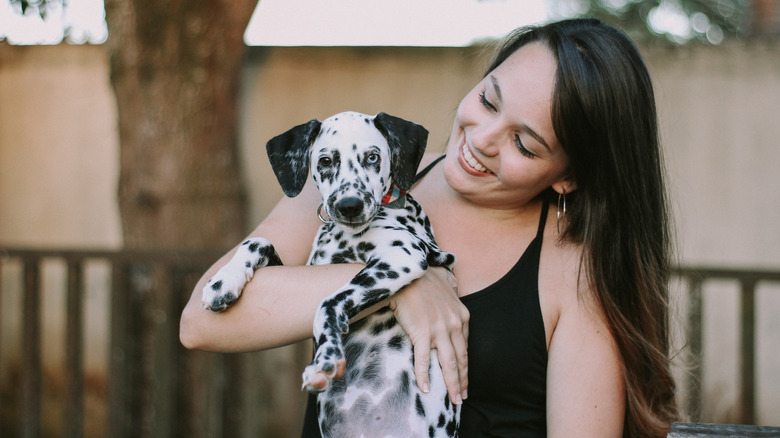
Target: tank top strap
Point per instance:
(543, 217)
(427, 169)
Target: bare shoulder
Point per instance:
(586, 393)
(560, 276)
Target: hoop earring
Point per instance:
(561, 216)
(319, 215)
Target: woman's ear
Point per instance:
(566, 185)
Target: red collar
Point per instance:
(393, 195)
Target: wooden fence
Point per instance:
(748, 280)
(156, 388)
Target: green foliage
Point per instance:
(675, 21)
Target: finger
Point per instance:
(422, 363)
(450, 372)
(460, 349)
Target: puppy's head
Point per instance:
(354, 160)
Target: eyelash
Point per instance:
(486, 103)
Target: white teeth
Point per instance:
(473, 161)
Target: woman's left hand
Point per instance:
(433, 316)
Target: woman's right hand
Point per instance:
(433, 316)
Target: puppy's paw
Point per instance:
(318, 375)
(224, 288)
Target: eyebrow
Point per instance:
(527, 128)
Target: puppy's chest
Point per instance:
(390, 229)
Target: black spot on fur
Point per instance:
(383, 327)
(406, 383)
(396, 342)
(217, 285)
(375, 295)
(364, 279)
(451, 427)
(345, 256)
(418, 406)
(382, 266)
(253, 246)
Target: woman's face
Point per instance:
(503, 150)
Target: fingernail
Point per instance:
(465, 394)
(426, 387)
(458, 400)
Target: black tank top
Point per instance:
(507, 353)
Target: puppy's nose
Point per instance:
(350, 207)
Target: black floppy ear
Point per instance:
(289, 156)
(407, 142)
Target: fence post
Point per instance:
(748, 351)
(74, 382)
(31, 351)
(695, 343)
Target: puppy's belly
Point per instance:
(379, 393)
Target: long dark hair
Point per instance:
(604, 116)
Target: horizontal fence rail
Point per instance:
(158, 388)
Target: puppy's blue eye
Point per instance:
(372, 158)
(325, 162)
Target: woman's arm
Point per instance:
(585, 386)
(278, 306)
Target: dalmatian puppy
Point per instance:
(364, 375)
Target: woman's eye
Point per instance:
(522, 149)
(325, 161)
(372, 158)
(485, 102)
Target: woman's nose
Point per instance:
(485, 138)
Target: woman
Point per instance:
(551, 196)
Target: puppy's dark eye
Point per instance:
(325, 162)
(372, 158)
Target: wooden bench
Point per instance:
(691, 430)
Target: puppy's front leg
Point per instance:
(377, 281)
(224, 288)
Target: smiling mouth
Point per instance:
(472, 162)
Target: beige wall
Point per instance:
(58, 148)
(719, 110)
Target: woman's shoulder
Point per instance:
(564, 286)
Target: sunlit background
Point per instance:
(436, 23)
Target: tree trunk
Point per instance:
(175, 70)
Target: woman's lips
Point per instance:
(470, 163)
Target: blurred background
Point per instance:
(132, 155)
